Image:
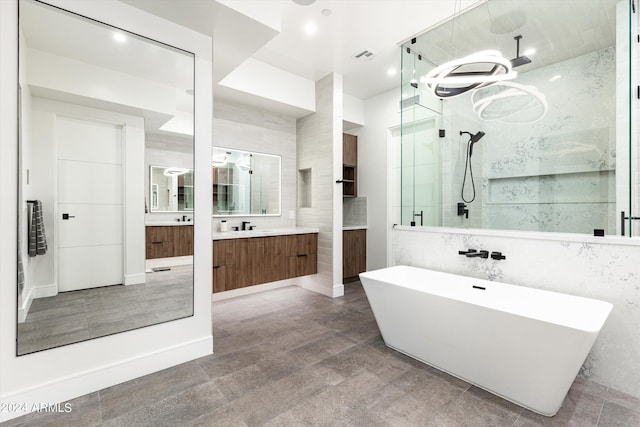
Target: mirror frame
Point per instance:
(20, 168)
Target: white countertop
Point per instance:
(354, 227)
(166, 223)
(220, 235)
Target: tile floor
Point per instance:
(75, 316)
(289, 357)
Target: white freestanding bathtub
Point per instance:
(525, 345)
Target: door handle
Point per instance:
(66, 216)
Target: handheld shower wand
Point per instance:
(473, 138)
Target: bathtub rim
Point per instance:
(606, 306)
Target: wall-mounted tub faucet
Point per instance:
(481, 254)
(468, 251)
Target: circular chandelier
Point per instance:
(524, 104)
(475, 71)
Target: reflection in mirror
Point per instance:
(246, 183)
(98, 106)
(171, 189)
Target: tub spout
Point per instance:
(481, 254)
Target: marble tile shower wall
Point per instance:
(557, 174)
(605, 271)
(247, 128)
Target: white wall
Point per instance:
(602, 268)
(66, 372)
(319, 148)
(250, 129)
(374, 155)
(266, 81)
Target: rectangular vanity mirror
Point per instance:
(171, 189)
(246, 183)
(98, 106)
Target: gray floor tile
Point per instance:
(614, 415)
(289, 357)
(578, 410)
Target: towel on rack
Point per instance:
(20, 271)
(37, 238)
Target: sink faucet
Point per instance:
(244, 224)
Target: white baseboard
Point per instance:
(219, 296)
(314, 284)
(135, 279)
(82, 383)
(43, 291)
(23, 310)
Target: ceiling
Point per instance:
(351, 27)
(557, 30)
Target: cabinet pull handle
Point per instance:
(299, 255)
(216, 266)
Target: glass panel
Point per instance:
(98, 106)
(545, 151)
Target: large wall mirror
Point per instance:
(97, 107)
(246, 183)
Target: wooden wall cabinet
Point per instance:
(242, 262)
(354, 254)
(349, 165)
(168, 241)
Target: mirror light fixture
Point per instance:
(244, 163)
(524, 104)
(173, 171)
(475, 71)
(219, 160)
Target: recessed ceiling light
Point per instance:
(310, 28)
(304, 2)
(119, 37)
(529, 52)
(392, 71)
(326, 12)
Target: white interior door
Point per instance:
(89, 203)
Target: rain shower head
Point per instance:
(519, 60)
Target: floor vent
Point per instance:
(365, 55)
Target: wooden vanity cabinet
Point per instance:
(275, 264)
(242, 262)
(249, 262)
(168, 241)
(302, 254)
(224, 253)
